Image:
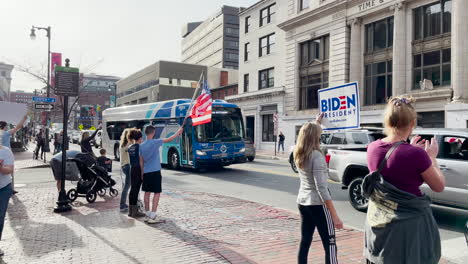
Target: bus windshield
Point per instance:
(226, 126)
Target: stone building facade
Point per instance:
(261, 70)
(391, 47)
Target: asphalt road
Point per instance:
(270, 182)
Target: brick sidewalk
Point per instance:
(198, 228)
(25, 160)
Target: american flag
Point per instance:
(201, 111)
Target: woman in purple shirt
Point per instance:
(408, 167)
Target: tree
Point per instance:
(40, 74)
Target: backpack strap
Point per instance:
(389, 153)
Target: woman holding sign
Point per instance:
(314, 200)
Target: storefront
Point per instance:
(258, 109)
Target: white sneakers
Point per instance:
(150, 217)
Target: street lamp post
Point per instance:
(33, 36)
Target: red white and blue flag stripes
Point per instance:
(201, 111)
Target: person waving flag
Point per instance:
(201, 111)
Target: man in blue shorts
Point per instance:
(150, 161)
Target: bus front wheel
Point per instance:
(174, 160)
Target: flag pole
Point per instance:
(200, 81)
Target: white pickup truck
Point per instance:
(350, 166)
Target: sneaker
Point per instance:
(124, 209)
(152, 221)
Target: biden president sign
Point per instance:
(340, 106)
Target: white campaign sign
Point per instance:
(12, 113)
(341, 106)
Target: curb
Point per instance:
(37, 167)
(270, 157)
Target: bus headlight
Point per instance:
(242, 150)
(201, 153)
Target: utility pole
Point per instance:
(63, 204)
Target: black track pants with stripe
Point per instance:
(317, 216)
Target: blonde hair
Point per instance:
(399, 114)
(308, 140)
(124, 138)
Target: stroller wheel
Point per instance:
(91, 197)
(72, 194)
(101, 192)
(113, 192)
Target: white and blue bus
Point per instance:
(218, 143)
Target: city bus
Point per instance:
(218, 143)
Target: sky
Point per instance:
(109, 37)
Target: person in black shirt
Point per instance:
(281, 141)
(136, 180)
(85, 142)
(104, 161)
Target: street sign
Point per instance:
(81, 126)
(43, 99)
(340, 106)
(67, 81)
(275, 122)
(44, 107)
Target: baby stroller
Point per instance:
(95, 180)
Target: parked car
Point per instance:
(249, 149)
(350, 166)
(355, 138)
(75, 137)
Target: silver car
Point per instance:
(453, 161)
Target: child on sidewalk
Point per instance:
(135, 137)
(103, 160)
(151, 169)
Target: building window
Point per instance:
(304, 4)
(246, 83)
(433, 20)
(266, 78)
(268, 128)
(433, 66)
(232, 56)
(378, 82)
(309, 86)
(266, 44)
(267, 15)
(232, 44)
(178, 82)
(432, 34)
(379, 35)
(3, 74)
(313, 70)
(170, 80)
(246, 51)
(247, 24)
(232, 31)
(316, 50)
